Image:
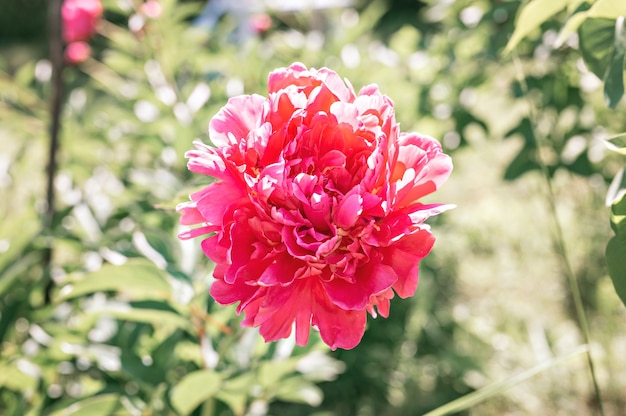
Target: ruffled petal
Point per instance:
(236, 119)
(371, 279)
(404, 257)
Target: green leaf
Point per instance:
(577, 17)
(531, 17)
(297, 390)
(272, 372)
(616, 191)
(616, 265)
(194, 389)
(611, 9)
(101, 405)
(139, 278)
(491, 390)
(12, 378)
(597, 38)
(618, 215)
(617, 143)
(235, 392)
(522, 163)
(151, 316)
(614, 77)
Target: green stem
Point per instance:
(559, 239)
(478, 396)
(56, 58)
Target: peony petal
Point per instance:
(236, 119)
(348, 210)
(404, 257)
(282, 78)
(189, 213)
(229, 293)
(281, 272)
(195, 232)
(338, 328)
(214, 200)
(372, 278)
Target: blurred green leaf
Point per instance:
(611, 9)
(101, 405)
(617, 143)
(194, 389)
(616, 248)
(271, 372)
(235, 392)
(522, 163)
(21, 96)
(298, 390)
(616, 265)
(531, 16)
(618, 215)
(138, 278)
(12, 378)
(493, 389)
(614, 77)
(151, 316)
(577, 17)
(597, 37)
(616, 193)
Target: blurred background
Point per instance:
(104, 311)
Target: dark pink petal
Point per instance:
(372, 278)
(404, 257)
(281, 272)
(338, 328)
(215, 251)
(348, 210)
(213, 201)
(281, 307)
(229, 293)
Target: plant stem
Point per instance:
(56, 59)
(559, 239)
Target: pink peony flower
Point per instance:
(80, 18)
(315, 219)
(77, 52)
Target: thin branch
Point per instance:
(56, 58)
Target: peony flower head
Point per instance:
(316, 218)
(80, 18)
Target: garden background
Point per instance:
(104, 311)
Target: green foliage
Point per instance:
(616, 248)
(194, 389)
(532, 16)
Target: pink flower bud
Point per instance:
(260, 23)
(80, 18)
(151, 9)
(77, 52)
